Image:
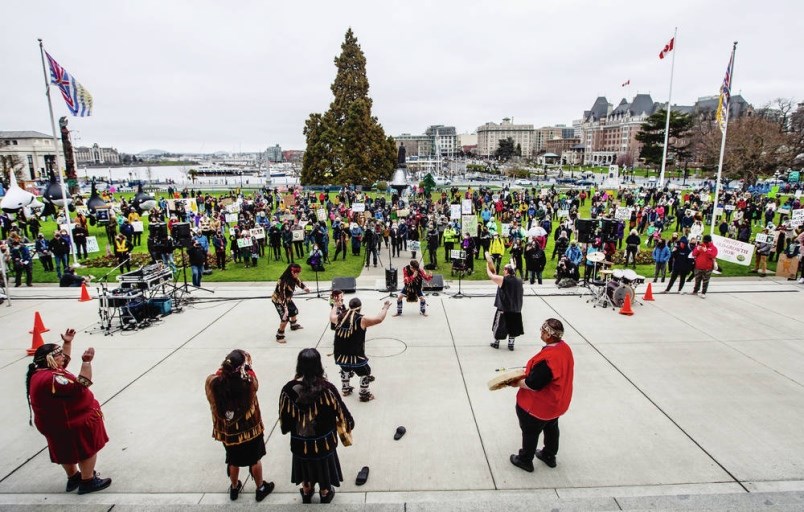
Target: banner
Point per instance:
(623, 214)
(454, 211)
(257, 233)
(358, 207)
(469, 224)
(733, 251)
(466, 206)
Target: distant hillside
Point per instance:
(152, 152)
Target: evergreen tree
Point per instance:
(346, 144)
(652, 137)
(506, 149)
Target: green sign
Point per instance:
(794, 177)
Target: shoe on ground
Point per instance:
(328, 497)
(550, 461)
(94, 484)
(306, 498)
(366, 397)
(716, 272)
(703, 295)
(265, 490)
(234, 492)
(801, 281)
(73, 482)
(296, 327)
(521, 464)
(511, 347)
(693, 293)
(494, 344)
(347, 391)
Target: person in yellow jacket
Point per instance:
(497, 249)
(450, 237)
(122, 249)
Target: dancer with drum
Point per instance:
(414, 278)
(544, 395)
(283, 300)
(508, 318)
(350, 327)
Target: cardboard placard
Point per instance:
(231, 218)
(358, 207)
(623, 214)
(298, 235)
(138, 226)
(258, 233)
(243, 242)
(466, 206)
(402, 213)
(563, 213)
(505, 229)
(454, 211)
(797, 217)
(729, 207)
(321, 214)
(289, 200)
(761, 238)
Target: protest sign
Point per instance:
(231, 218)
(469, 224)
(466, 206)
(138, 227)
(243, 242)
(623, 214)
(92, 244)
(733, 251)
(258, 233)
(563, 213)
(454, 211)
(298, 235)
(505, 229)
(321, 214)
(358, 207)
(797, 217)
(402, 213)
(729, 207)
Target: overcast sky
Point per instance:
(203, 76)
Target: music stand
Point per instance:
(317, 290)
(388, 287)
(458, 255)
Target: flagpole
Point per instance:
(56, 149)
(667, 123)
(723, 141)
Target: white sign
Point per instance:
(466, 206)
(455, 211)
(358, 207)
(242, 243)
(65, 227)
(797, 218)
(733, 251)
(232, 208)
(258, 233)
(138, 226)
(729, 207)
(231, 218)
(623, 214)
(469, 224)
(505, 229)
(798, 193)
(718, 211)
(563, 213)
(232, 231)
(761, 238)
(321, 214)
(92, 244)
(298, 235)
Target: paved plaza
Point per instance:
(689, 404)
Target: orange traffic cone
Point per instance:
(84, 293)
(36, 342)
(626, 309)
(38, 324)
(648, 293)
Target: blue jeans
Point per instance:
(198, 271)
(62, 261)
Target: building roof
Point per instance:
(600, 109)
(622, 108)
(550, 155)
(642, 104)
(25, 134)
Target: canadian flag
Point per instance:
(667, 48)
(627, 82)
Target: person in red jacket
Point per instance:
(544, 395)
(704, 256)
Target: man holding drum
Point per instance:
(544, 395)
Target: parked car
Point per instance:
(584, 182)
(523, 183)
(441, 181)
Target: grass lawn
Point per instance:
(269, 270)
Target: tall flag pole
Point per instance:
(668, 48)
(59, 167)
(722, 117)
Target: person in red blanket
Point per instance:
(414, 278)
(704, 255)
(66, 412)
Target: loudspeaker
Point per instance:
(181, 231)
(158, 230)
(436, 284)
(586, 230)
(344, 284)
(391, 282)
(608, 229)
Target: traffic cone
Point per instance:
(84, 293)
(648, 293)
(626, 309)
(38, 324)
(36, 342)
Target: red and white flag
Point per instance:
(627, 82)
(667, 48)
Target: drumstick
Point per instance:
(506, 369)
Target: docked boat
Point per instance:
(223, 170)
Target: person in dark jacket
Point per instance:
(60, 247)
(21, 259)
(80, 235)
(682, 264)
(197, 256)
(42, 248)
(535, 260)
(631, 248)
